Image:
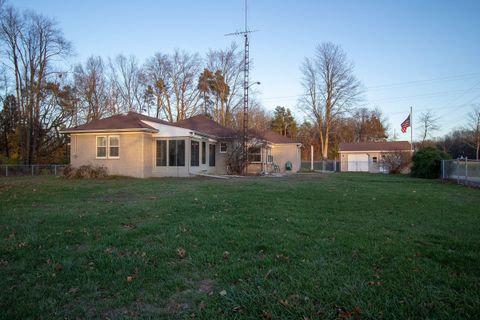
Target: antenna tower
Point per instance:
(246, 84)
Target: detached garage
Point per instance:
(370, 156)
(358, 162)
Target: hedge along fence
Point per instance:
(7, 170)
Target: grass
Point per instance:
(314, 246)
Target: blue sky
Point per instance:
(423, 54)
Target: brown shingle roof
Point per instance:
(133, 121)
(129, 121)
(273, 137)
(376, 146)
(206, 125)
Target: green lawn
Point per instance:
(307, 247)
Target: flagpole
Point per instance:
(411, 128)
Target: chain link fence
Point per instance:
(31, 170)
(322, 165)
(463, 171)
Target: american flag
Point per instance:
(405, 124)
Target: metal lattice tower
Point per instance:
(246, 82)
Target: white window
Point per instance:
(223, 147)
(101, 147)
(114, 147)
(108, 147)
(254, 154)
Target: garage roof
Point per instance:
(376, 146)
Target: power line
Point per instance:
(394, 99)
(393, 85)
(413, 83)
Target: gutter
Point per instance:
(108, 130)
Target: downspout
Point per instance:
(188, 163)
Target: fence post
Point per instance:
(6, 170)
(311, 157)
(458, 171)
(443, 169)
(55, 169)
(466, 171)
(335, 165)
(32, 169)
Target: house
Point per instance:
(372, 156)
(136, 145)
(270, 149)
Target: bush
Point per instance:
(85, 172)
(427, 162)
(397, 161)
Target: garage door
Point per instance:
(357, 162)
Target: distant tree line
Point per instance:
(40, 95)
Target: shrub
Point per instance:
(85, 172)
(427, 162)
(397, 161)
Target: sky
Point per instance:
(420, 54)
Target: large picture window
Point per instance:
(161, 153)
(176, 153)
(195, 152)
(204, 152)
(211, 157)
(254, 154)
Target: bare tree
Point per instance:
(259, 119)
(229, 63)
(474, 124)
(127, 80)
(428, 123)
(331, 89)
(172, 82)
(92, 90)
(32, 44)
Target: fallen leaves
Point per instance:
(237, 309)
(58, 267)
(342, 313)
(282, 257)
(91, 265)
(374, 283)
(226, 255)
(73, 290)
(268, 274)
(128, 226)
(11, 235)
(181, 253)
(223, 293)
(284, 303)
(267, 315)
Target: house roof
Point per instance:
(274, 137)
(376, 146)
(206, 125)
(131, 121)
